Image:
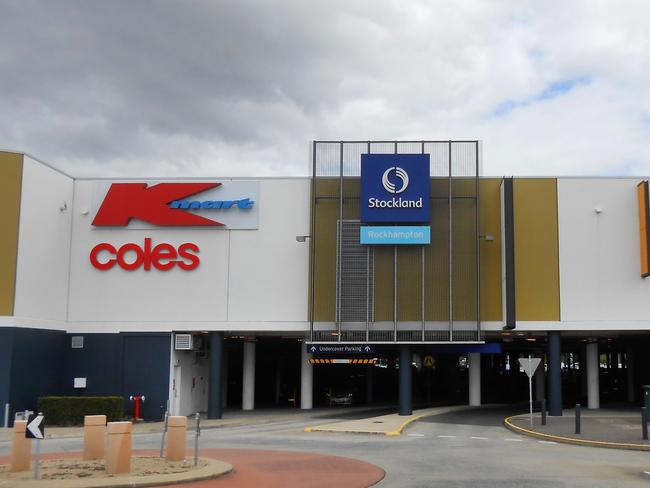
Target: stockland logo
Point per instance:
(395, 188)
(401, 174)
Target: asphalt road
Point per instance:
(465, 449)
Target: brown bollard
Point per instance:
(118, 451)
(176, 431)
(21, 447)
(94, 433)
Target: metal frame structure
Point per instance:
(422, 336)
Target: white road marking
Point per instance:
(480, 438)
(416, 435)
(447, 436)
(647, 472)
(513, 440)
(547, 442)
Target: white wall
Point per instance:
(43, 244)
(189, 393)
(599, 253)
(244, 276)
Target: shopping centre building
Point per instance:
(208, 293)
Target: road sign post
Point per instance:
(164, 433)
(36, 430)
(197, 433)
(529, 365)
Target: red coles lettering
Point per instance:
(131, 256)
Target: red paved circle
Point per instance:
(258, 468)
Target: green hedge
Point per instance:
(71, 410)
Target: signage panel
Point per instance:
(395, 234)
(395, 188)
(340, 348)
(221, 204)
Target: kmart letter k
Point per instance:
(126, 201)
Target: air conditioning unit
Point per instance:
(183, 342)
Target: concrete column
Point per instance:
(629, 363)
(405, 381)
(540, 381)
(248, 388)
(369, 389)
(278, 383)
(176, 438)
(224, 378)
(118, 447)
(306, 380)
(474, 379)
(583, 370)
(593, 391)
(94, 434)
(21, 448)
(215, 386)
(554, 374)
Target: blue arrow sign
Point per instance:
(340, 349)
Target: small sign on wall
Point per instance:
(80, 382)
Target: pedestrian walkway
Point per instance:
(619, 429)
(390, 425)
(231, 418)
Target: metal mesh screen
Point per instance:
(395, 293)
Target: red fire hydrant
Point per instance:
(137, 399)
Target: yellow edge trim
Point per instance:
(390, 433)
(573, 440)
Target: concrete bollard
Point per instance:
(118, 451)
(176, 440)
(21, 447)
(94, 433)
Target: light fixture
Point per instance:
(302, 238)
(84, 211)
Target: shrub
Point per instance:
(70, 410)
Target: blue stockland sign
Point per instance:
(395, 188)
(395, 234)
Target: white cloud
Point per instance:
(212, 88)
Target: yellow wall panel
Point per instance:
(537, 273)
(491, 250)
(11, 171)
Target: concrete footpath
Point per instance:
(617, 429)
(231, 418)
(390, 425)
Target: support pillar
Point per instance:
(224, 378)
(215, 385)
(306, 380)
(540, 381)
(593, 390)
(278, 383)
(629, 363)
(405, 381)
(554, 374)
(369, 389)
(248, 384)
(474, 379)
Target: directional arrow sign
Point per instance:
(341, 348)
(36, 428)
(529, 365)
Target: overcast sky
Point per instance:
(219, 88)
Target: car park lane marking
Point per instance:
(547, 442)
(513, 440)
(416, 435)
(447, 436)
(480, 438)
